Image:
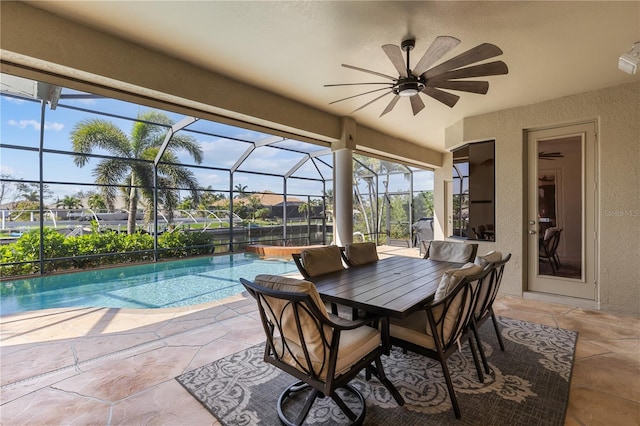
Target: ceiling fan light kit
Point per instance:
(429, 80)
(408, 87)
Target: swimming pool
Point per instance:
(156, 285)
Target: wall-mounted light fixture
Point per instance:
(630, 60)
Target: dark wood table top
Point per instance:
(395, 287)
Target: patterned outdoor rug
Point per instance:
(530, 384)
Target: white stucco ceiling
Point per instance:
(552, 49)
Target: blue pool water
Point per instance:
(157, 285)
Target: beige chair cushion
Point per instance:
(292, 285)
(486, 285)
(452, 277)
(450, 251)
(412, 329)
(361, 253)
(354, 344)
(490, 257)
(448, 282)
(321, 260)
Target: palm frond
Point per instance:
(111, 171)
(187, 143)
(150, 131)
(90, 134)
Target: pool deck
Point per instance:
(118, 366)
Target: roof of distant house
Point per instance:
(267, 199)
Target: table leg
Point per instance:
(384, 335)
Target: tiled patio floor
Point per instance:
(117, 366)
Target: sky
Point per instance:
(222, 146)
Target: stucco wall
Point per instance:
(617, 112)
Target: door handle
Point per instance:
(532, 232)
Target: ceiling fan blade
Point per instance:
(372, 101)
(550, 155)
(449, 99)
(395, 56)
(392, 104)
(482, 70)
(356, 84)
(416, 104)
(360, 94)
(463, 86)
(479, 53)
(369, 71)
(440, 46)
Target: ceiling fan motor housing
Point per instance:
(408, 44)
(409, 86)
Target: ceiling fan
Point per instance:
(430, 80)
(543, 155)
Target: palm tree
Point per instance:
(304, 209)
(96, 202)
(361, 172)
(69, 202)
(254, 205)
(241, 190)
(31, 191)
(143, 144)
(209, 199)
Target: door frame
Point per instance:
(585, 288)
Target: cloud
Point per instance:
(84, 101)
(6, 170)
(23, 124)
(53, 126)
(16, 101)
(214, 179)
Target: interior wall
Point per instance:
(617, 112)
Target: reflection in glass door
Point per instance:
(560, 256)
(560, 207)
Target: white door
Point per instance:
(562, 205)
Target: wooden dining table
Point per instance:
(393, 287)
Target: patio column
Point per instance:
(343, 183)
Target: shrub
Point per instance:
(114, 247)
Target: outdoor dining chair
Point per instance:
(423, 231)
(315, 261)
(549, 247)
(322, 351)
(360, 253)
(486, 296)
(436, 330)
(451, 251)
